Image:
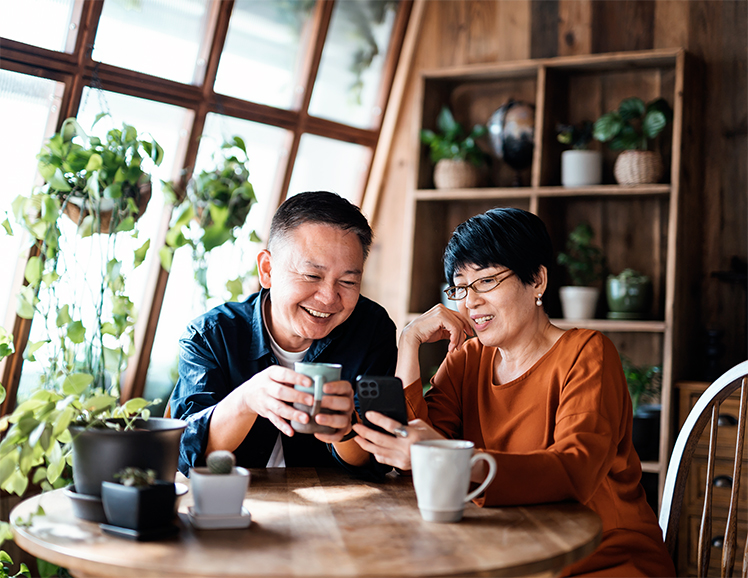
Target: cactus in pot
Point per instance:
(218, 488)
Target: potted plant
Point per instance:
(580, 166)
(629, 294)
(456, 155)
(216, 203)
(630, 129)
(140, 506)
(218, 490)
(644, 383)
(102, 185)
(585, 264)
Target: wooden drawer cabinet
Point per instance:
(688, 535)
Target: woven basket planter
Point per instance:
(638, 167)
(456, 174)
(75, 206)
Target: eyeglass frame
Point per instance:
(454, 288)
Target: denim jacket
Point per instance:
(223, 348)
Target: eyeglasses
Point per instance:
(482, 285)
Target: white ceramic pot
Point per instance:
(581, 168)
(579, 302)
(218, 494)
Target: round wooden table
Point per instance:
(316, 523)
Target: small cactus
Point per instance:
(220, 462)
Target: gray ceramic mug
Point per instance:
(321, 373)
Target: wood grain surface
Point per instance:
(308, 522)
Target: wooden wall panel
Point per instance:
(456, 32)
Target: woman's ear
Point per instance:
(264, 266)
(541, 280)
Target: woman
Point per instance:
(551, 406)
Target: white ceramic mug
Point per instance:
(441, 477)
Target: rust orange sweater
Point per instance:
(561, 431)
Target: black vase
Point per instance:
(646, 432)
(99, 453)
(139, 508)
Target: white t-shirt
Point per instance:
(286, 359)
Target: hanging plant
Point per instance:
(217, 202)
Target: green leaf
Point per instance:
(33, 271)
(653, 124)
(141, 252)
(166, 255)
(50, 209)
(7, 466)
(135, 405)
(63, 316)
(76, 383)
(631, 108)
(607, 126)
(127, 224)
(76, 332)
(6, 226)
(95, 162)
(36, 435)
(235, 288)
(27, 301)
(17, 483)
(32, 347)
(113, 191)
(58, 182)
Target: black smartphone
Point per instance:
(383, 394)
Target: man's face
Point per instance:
(314, 277)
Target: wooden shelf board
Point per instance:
(651, 467)
(620, 325)
(489, 193)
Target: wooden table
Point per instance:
(315, 523)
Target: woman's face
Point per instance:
(502, 315)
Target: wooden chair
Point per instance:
(706, 409)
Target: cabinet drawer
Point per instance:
(722, 480)
(727, 434)
(718, 530)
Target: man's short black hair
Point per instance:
(506, 237)
(320, 207)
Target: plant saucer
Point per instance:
(207, 522)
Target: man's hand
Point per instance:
(338, 398)
(271, 394)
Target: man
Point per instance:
(236, 377)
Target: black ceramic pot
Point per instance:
(139, 508)
(646, 432)
(99, 453)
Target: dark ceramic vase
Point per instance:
(99, 453)
(628, 299)
(645, 432)
(139, 508)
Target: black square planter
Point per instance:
(139, 508)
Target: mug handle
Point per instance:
(319, 383)
(489, 459)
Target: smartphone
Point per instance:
(383, 394)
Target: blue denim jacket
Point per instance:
(225, 347)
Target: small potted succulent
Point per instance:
(139, 502)
(630, 129)
(457, 158)
(218, 488)
(585, 265)
(629, 295)
(580, 166)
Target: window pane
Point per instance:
(323, 164)
(184, 298)
(43, 23)
(262, 51)
(158, 37)
(350, 71)
(85, 258)
(27, 105)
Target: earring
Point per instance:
(539, 300)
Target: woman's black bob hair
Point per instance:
(505, 237)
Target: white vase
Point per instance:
(581, 168)
(218, 494)
(579, 302)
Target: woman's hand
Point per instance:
(436, 324)
(393, 450)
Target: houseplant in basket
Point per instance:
(585, 265)
(458, 160)
(629, 295)
(101, 184)
(580, 166)
(630, 128)
(214, 206)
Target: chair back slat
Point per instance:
(704, 549)
(731, 531)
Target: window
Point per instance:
(300, 81)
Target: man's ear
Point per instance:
(264, 266)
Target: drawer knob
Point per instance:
(722, 482)
(718, 541)
(726, 419)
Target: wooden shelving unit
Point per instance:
(643, 227)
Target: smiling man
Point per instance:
(236, 377)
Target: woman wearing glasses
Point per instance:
(550, 405)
